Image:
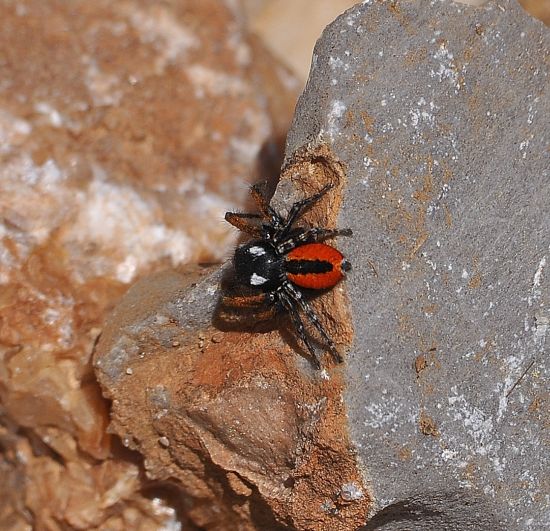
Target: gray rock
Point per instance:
(440, 112)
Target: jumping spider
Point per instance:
(282, 260)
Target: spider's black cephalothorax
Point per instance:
(282, 260)
(259, 265)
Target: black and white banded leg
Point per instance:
(299, 326)
(298, 207)
(315, 234)
(295, 295)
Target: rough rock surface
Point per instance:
(123, 128)
(253, 436)
(439, 113)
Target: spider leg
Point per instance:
(315, 234)
(298, 207)
(232, 303)
(264, 207)
(246, 301)
(242, 222)
(286, 302)
(247, 318)
(296, 296)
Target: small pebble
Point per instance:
(351, 492)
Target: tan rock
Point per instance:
(126, 130)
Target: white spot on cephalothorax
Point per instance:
(257, 280)
(256, 251)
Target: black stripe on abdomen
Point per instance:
(307, 267)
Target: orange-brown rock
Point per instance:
(252, 440)
(254, 437)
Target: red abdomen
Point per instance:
(315, 266)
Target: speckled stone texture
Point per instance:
(440, 113)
